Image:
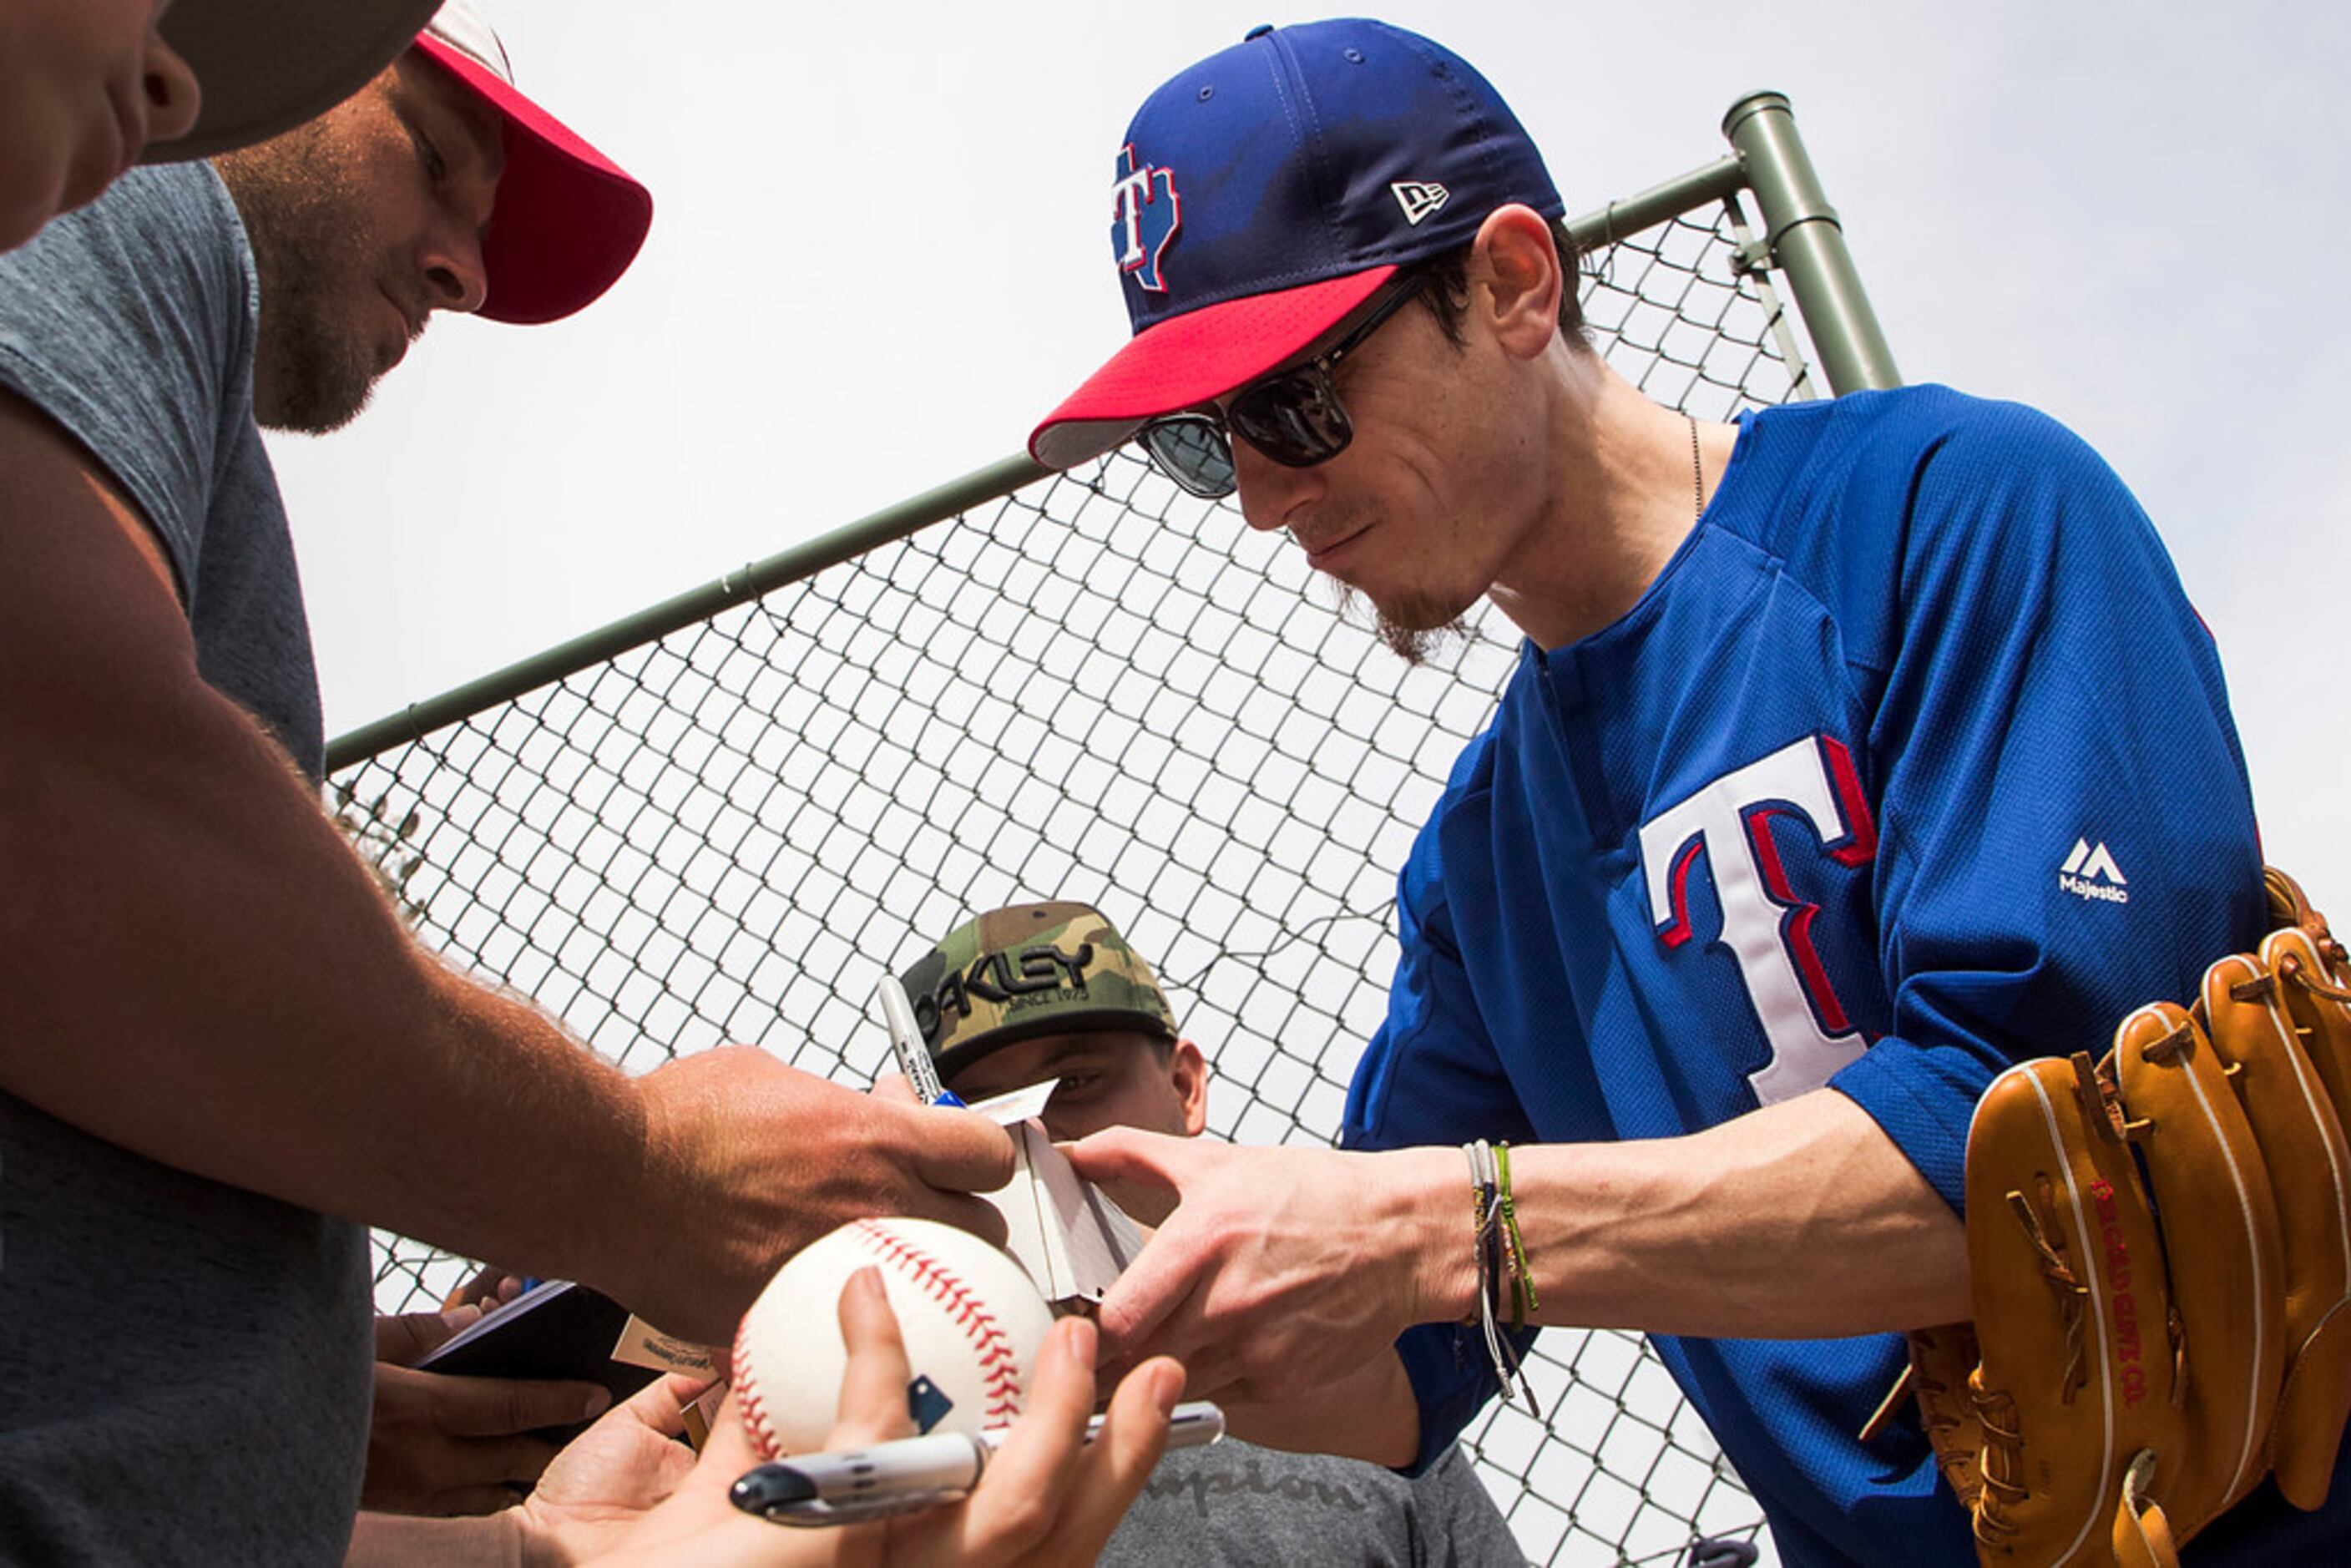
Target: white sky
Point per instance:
(879, 254)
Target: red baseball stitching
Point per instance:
(747, 1396)
(999, 1362)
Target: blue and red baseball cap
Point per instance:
(1263, 194)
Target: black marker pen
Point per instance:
(861, 1484)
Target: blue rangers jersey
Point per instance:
(1913, 761)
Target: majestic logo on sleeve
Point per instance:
(2093, 874)
(1145, 213)
(1726, 826)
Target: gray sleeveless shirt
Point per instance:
(183, 1365)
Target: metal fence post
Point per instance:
(1807, 242)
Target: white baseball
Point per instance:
(972, 1321)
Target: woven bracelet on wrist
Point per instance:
(1484, 1181)
(1523, 1300)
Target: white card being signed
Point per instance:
(1073, 1241)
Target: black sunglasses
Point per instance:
(1293, 416)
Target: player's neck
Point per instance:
(1621, 499)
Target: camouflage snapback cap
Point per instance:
(1029, 969)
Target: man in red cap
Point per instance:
(224, 1056)
(532, 223)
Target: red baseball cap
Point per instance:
(568, 221)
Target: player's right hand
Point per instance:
(748, 1160)
(1280, 1271)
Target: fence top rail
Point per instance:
(1725, 177)
(697, 604)
(1618, 220)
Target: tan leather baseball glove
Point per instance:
(2159, 1252)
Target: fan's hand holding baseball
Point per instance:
(748, 1160)
(607, 1482)
(1278, 1271)
(1047, 1498)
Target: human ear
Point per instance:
(173, 93)
(1516, 275)
(1187, 1071)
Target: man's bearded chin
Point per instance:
(311, 374)
(1414, 625)
(307, 377)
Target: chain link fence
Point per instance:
(1095, 687)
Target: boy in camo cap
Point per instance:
(1051, 990)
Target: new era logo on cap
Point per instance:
(1418, 198)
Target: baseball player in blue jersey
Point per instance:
(1854, 751)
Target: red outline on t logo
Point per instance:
(1132, 199)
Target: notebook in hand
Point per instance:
(557, 1330)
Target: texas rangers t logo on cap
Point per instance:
(1143, 223)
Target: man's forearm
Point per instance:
(1283, 1269)
(198, 968)
(193, 965)
(1800, 1220)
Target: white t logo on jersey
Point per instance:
(1767, 928)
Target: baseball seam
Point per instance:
(999, 1362)
(747, 1396)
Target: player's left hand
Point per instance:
(1279, 1271)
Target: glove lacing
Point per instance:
(2003, 1459)
(2290, 967)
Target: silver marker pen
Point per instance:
(907, 1042)
(861, 1484)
